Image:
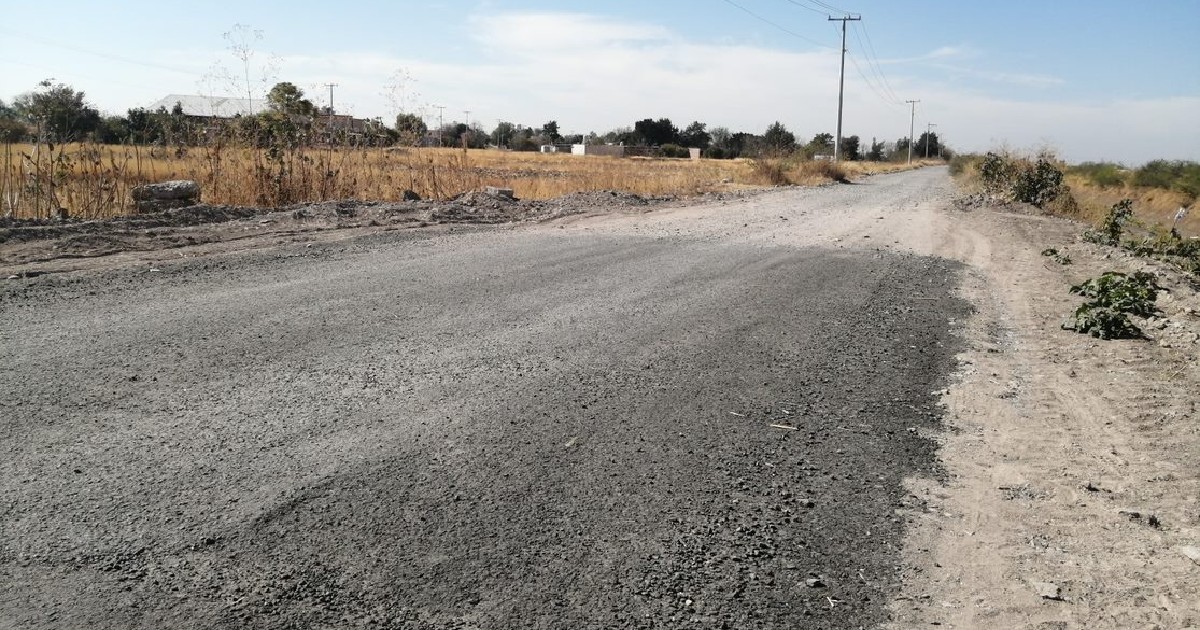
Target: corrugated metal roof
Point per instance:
(213, 106)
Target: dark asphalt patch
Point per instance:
(568, 433)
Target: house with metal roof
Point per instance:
(198, 106)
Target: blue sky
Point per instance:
(1094, 80)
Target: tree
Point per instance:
(11, 127)
(742, 143)
(696, 135)
(821, 144)
(876, 154)
(656, 132)
(719, 137)
(503, 133)
(144, 126)
(112, 130)
(411, 128)
(899, 151)
(777, 139)
(550, 130)
(926, 146)
(286, 98)
(59, 113)
(850, 149)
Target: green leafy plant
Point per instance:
(1114, 224)
(1102, 322)
(996, 171)
(1038, 184)
(1114, 296)
(1135, 293)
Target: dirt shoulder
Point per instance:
(30, 248)
(1073, 464)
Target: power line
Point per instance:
(883, 92)
(765, 20)
(871, 84)
(875, 60)
(805, 6)
(830, 7)
(96, 53)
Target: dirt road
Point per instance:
(719, 415)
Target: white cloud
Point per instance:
(595, 73)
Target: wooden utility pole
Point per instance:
(837, 139)
(911, 121)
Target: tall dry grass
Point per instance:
(94, 181)
(1152, 206)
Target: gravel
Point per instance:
(493, 428)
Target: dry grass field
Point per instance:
(1154, 206)
(94, 181)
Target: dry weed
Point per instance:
(93, 181)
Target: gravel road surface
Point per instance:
(639, 426)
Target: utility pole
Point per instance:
(499, 134)
(439, 108)
(929, 136)
(837, 139)
(912, 119)
(330, 123)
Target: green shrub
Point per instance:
(1038, 184)
(1114, 224)
(1134, 294)
(1102, 174)
(674, 151)
(996, 171)
(1180, 175)
(1114, 296)
(1103, 323)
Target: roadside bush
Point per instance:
(997, 172)
(959, 164)
(1038, 184)
(1180, 175)
(1114, 224)
(770, 172)
(827, 169)
(1113, 297)
(1102, 323)
(1164, 244)
(1135, 293)
(1102, 174)
(674, 151)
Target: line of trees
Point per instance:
(55, 112)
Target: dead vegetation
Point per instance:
(93, 181)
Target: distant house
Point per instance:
(211, 107)
(211, 110)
